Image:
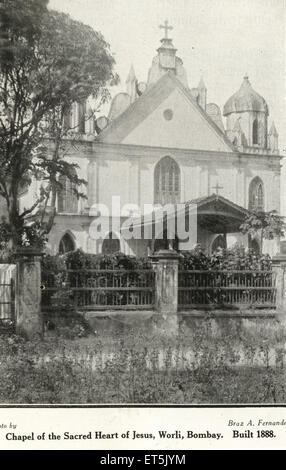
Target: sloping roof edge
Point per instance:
(139, 221)
(142, 114)
(217, 197)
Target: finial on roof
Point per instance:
(166, 27)
(131, 76)
(201, 85)
(273, 130)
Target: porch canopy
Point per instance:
(215, 214)
(218, 214)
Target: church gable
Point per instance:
(166, 116)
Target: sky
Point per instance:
(220, 40)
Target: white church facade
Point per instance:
(163, 142)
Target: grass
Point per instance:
(140, 368)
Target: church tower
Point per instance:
(252, 111)
(166, 60)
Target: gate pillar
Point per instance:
(279, 268)
(29, 321)
(165, 264)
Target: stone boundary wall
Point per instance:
(166, 318)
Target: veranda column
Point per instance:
(29, 321)
(279, 269)
(165, 264)
(92, 198)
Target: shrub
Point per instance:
(80, 260)
(237, 258)
(56, 273)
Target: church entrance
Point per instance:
(110, 245)
(66, 244)
(254, 245)
(166, 244)
(219, 243)
(215, 218)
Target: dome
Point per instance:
(245, 99)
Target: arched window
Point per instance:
(66, 244)
(254, 246)
(261, 134)
(255, 132)
(167, 185)
(81, 108)
(111, 244)
(256, 195)
(218, 243)
(67, 198)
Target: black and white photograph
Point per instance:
(142, 202)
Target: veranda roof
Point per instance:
(215, 213)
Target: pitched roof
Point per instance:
(201, 201)
(238, 212)
(120, 127)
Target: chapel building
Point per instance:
(164, 142)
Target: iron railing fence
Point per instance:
(230, 289)
(92, 289)
(7, 303)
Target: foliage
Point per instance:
(4, 235)
(19, 27)
(79, 260)
(267, 225)
(47, 62)
(237, 258)
(67, 325)
(87, 272)
(195, 367)
(55, 273)
(229, 278)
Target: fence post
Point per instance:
(279, 268)
(28, 293)
(13, 295)
(165, 264)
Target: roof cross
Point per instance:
(166, 27)
(217, 187)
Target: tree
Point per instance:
(48, 61)
(266, 225)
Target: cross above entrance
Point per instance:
(166, 27)
(217, 188)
